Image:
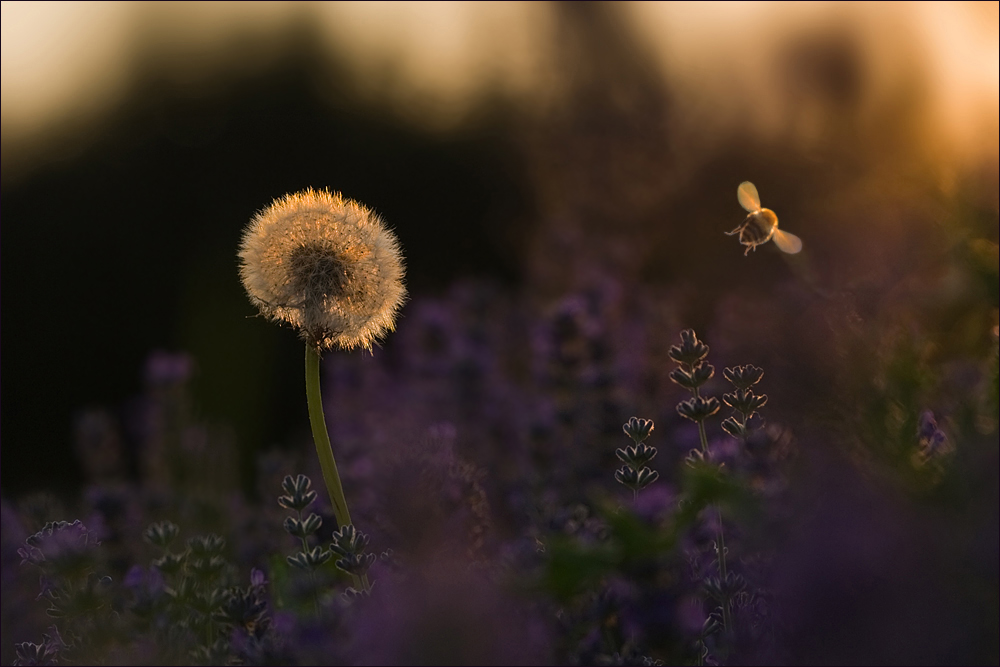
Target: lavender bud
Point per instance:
(161, 534)
(170, 563)
(308, 560)
(636, 457)
(28, 653)
(638, 429)
(691, 350)
(299, 496)
(743, 377)
(695, 458)
(745, 401)
(734, 428)
(636, 480)
(695, 378)
(348, 541)
(206, 545)
(698, 408)
(356, 564)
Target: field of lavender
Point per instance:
(596, 430)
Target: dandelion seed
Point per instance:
(326, 265)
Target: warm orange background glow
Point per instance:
(65, 64)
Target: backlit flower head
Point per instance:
(326, 265)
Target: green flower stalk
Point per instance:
(329, 267)
(692, 372)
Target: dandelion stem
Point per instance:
(324, 450)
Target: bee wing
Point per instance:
(786, 242)
(747, 194)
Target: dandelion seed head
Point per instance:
(327, 266)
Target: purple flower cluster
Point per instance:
(478, 450)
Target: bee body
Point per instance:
(761, 225)
(756, 229)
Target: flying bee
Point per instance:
(761, 225)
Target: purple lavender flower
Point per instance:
(448, 615)
(65, 549)
(258, 578)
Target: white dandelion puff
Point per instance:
(326, 265)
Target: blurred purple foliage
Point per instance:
(477, 451)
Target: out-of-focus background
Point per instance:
(561, 176)
(528, 143)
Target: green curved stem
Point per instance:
(324, 450)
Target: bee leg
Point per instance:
(737, 230)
